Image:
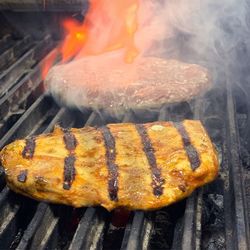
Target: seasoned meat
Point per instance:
(137, 166)
(103, 82)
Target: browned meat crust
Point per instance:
(145, 166)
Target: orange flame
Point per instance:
(75, 39)
(108, 25)
(48, 62)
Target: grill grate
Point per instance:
(214, 217)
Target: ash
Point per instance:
(216, 242)
(243, 119)
(213, 222)
(213, 214)
(165, 225)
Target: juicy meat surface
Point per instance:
(105, 82)
(146, 166)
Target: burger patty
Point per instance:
(102, 82)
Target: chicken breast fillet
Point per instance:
(137, 166)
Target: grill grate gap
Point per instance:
(164, 226)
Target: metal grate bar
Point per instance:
(24, 64)
(5, 43)
(42, 5)
(33, 226)
(7, 219)
(11, 55)
(22, 128)
(43, 210)
(134, 236)
(94, 119)
(192, 218)
(135, 239)
(241, 219)
(189, 230)
(15, 102)
(86, 236)
(41, 229)
(3, 195)
(89, 230)
(29, 120)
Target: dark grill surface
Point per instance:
(214, 217)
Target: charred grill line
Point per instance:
(69, 140)
(22, 177)
(69, 171)
(109, 142)
(192, 153)
(29, 148)
(69, 162)
(157, 180)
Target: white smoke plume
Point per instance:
(191, 29)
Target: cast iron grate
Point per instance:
(214, 217)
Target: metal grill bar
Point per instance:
(192, 219)
(87, 236)
(23, 94)
(21, 128)
(135, 239)
(10, 55)
(43, 209)
(89, 231)
(41, 229)
(7, 215)
(24, 64)
(33, 226)
(242, 230)
(43, 5)
(5, 43)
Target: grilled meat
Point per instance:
(103, 82)
(143, 166)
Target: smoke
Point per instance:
(211, 33)
(207, 32)
(200, 31)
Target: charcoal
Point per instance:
(217, 241)
(214, 211)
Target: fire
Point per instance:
(48, 62)
(108, 26)
(75, 39)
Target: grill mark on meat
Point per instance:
(157, 180)
(22, 177)
(109, 142)
(29, 149)
(191, 151)
(69, 140)
(69, 171)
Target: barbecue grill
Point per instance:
(216, 216)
